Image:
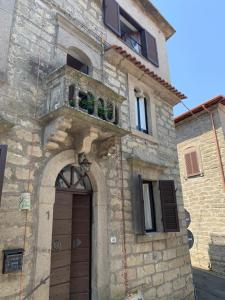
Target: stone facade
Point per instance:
(204, 194)
(40, 35)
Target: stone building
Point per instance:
(91, 198)
(201, 149)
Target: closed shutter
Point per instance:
(149, 47)
(3, 154)
(191, 163)
(138, 205)
(169, 206)
(112, 15)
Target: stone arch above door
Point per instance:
(46, 199)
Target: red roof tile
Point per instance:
(142, 67)
(200, 107)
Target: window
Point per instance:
(76, 64)
(191, 162)
(149, 206)
(155, 209)
(141, 115)
(3, 154)
(130, 34)
(124, 26)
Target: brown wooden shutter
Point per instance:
(112, 15)
(191, 163)
(138, 205)
(3, 154)
(149, 47)
(169, 206)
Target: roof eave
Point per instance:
(207, 104)
(163, 24)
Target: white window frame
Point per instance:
(139, 89)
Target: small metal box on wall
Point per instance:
(12, 260)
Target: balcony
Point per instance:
(80, 110)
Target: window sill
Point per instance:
(144, 136)
(194, 176)
(154, 236)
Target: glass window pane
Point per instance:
(136, 112)
(147, 207)
(142, 114)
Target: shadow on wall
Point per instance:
(217, 253)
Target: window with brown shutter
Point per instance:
(192, 163)
(112, 15)
(138, 205)
(143, 206)
(169, 206)
(3, 154)
(130, 31)
(149, 47)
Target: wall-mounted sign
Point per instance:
(25, 201)
(12, 260)
(190, 239)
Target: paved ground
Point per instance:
(208, 286)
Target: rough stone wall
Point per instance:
(204, 195)
(159, 263)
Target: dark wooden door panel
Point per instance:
(80, 296)
(71, 244)
(81, 255)
(81, 227)
(62, 211)
(60, 275)
(60, 292)
(80, 251)
(81, 240)
(64, 240)
(79, 285)
(80, 269)
(81, 214)
(61, 247)
(62, 227)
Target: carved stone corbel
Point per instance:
(55, 133)
(83, 142)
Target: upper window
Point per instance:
(141, 115)
(130, 34)
(191, 162)
(136, 37)
(76, 64)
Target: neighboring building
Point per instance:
(201, 149)
(86, 112)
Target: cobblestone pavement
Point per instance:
(208, 286)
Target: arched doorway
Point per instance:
(70, 276)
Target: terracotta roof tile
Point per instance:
(200, 107)
(142, 67)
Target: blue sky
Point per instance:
(197, 49)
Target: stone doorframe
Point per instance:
(100, 261)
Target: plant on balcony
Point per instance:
(87, 102)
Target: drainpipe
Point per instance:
(217, 146)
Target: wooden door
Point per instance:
(81, 249)
(71, 247)
(61, 247)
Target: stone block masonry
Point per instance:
(158, 264)
(204, 194)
